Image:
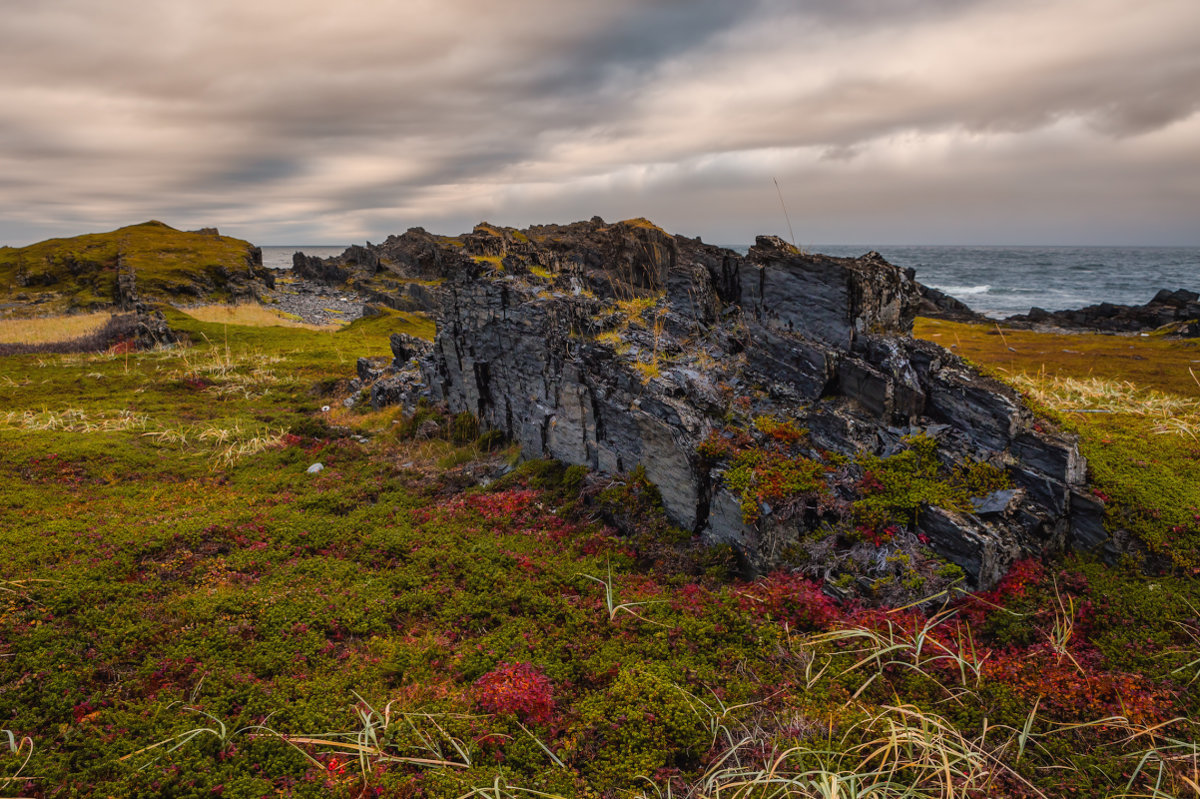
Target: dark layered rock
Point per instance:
(617, 346)
(126, 294)
(1180, 308)
(152, 329)
(147, 327)
(404, 272)
(321, 270)
(937, 304)
(829, 300)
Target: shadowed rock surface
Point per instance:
(1179, 308)
(404, 272)
(937, 304)
(616, 346)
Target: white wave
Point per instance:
(955, 291)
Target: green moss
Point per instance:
(494, 261)
(641, 222)
(415, 324)
(894, 489)
(639, 724)
(782, 431)
(758, 476)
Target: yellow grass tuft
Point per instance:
(50, 329)
(1172, 413)
(249, 315)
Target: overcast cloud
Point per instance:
(884, 121)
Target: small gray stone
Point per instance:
(316, 467)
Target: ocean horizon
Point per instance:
(996, 281)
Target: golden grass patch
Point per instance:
(1146, 377)
(1149, 362)
(249, 316)
(50, 329)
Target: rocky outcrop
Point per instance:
(404, 272)
(144, 327)
(937, 304)
(621, 346)
(1179, 308)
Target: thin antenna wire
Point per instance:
(785, 213)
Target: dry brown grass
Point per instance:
(249, 316)
(50, 329)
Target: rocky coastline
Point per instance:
(1174, 312)
(314, 302)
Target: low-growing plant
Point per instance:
(517, 688)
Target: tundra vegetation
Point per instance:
(186, 610)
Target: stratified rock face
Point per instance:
(830, 300)
(616, 346)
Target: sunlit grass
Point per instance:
(1170, 413)
(50, 329)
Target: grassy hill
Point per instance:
(80, 273)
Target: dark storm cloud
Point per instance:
(614, 57)
(299, 116)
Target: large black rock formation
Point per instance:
(614, 346)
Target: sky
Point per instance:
(880, 121)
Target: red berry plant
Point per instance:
(517, 688)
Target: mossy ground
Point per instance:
(174, 576)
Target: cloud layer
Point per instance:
(989, 121)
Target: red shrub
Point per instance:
(518, 688)
(788, 597)
(1076, 688)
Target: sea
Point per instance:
(996, 281)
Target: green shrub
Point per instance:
(637, 725)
